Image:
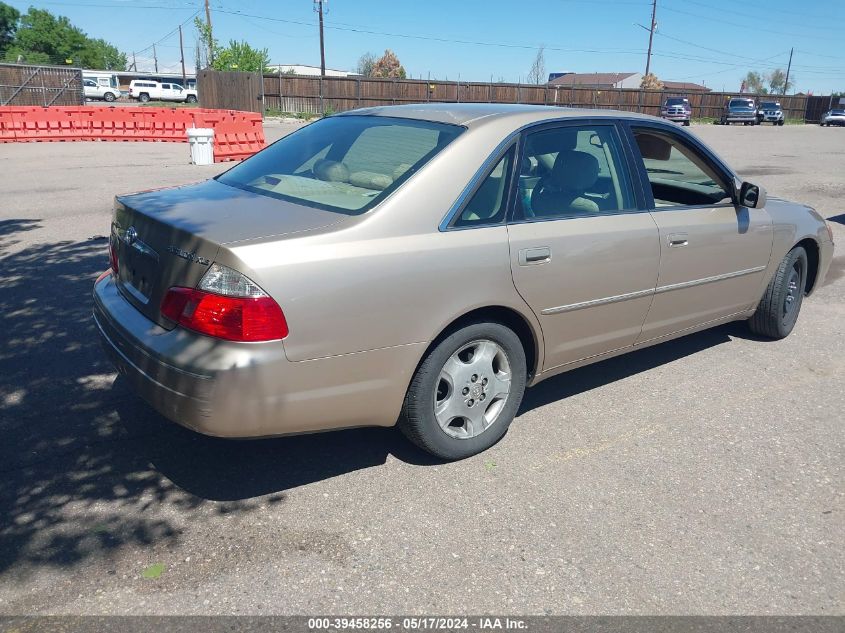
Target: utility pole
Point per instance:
(182, 53)
(318, 7)
(134, 63)
(155, 57)
(788, 68)
(651, 35)
(210, 36)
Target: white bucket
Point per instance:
(201, 140)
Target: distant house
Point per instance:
(308, 71)
(684, 86)
(601, 81)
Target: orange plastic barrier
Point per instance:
(237, 135)
(49, 124)
(9, 124)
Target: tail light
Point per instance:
(227, 305)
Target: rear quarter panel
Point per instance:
(389, 277)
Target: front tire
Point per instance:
(778, 310)
(466, 392)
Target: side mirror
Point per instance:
(752, 196)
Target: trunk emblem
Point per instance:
(191, 257)
(131, 236)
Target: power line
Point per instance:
(434, 38)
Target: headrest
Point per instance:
(653, 147)
(575, 171)
(331, 170)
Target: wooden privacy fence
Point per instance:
(23, 85)
(316, 95)
(230, 90)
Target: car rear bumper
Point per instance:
(229, 389)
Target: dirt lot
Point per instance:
(701, 476)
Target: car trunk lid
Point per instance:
(170, 237)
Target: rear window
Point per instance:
(346, 164)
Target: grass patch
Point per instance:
(153, 571)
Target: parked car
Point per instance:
(428, 262)
(145, 91)
(836, 116)
(92, 90)
(676, 109)
(770, 112)
(740, 110)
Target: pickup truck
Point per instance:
(676, 109)
(740, 110)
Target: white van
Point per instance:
(145, 90)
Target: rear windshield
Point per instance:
(346, 164)
(740, 103)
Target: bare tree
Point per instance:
(537, 74)
(366, 63)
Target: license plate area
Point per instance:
(138, 267)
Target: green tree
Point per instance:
(42, 37)
(241, 56)
(388, 66)
(777, 82)
(9, 17)
(755, 83)
(100, 54)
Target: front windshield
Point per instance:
(740, 103)
(672, 102)
(343, 163)
(771, 105)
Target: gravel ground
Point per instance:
(702, 476)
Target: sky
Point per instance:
(713, 42)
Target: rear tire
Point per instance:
(778, 310)
(143, 97)
(466, 391)
(109, 96)
(191, 99)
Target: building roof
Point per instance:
(684, 86)
(471, 114)
(590, 79)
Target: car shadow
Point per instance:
(86, 468)
(608, 371)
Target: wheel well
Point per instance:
(506, 316)
(812, 250)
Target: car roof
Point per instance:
(472, 114)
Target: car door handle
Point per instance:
(538, 255)
(677, 240)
